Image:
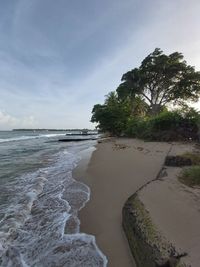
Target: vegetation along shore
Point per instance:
(151, 186)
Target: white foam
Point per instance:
(51, 135)
(27, 137)
(36, 220)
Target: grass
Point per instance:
(194, 157)
(190, 176)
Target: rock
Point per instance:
(177, 161)
(148, 246)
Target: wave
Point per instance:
(27, 137)
(41, 227)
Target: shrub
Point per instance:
(138, 127)
(166, 126)
(194, 157)
(190, 176)
(166, 120)
(174, 126)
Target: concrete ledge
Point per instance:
(148, 246)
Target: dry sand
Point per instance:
(116, 170)
(174, 209)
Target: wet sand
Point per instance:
(115, 171)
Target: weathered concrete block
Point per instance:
(148, 247)
(177, 161)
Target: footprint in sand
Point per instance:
(146, 151)
(120, 146)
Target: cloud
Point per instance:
(8, 121)
(58, 60)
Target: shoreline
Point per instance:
(113, 173)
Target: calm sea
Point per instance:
(40, 200)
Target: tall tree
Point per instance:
(161, 79)
(112, 116)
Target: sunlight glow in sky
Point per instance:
(59, 58)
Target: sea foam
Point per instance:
(41, 226)
(27, 137)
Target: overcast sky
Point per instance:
(59, 58)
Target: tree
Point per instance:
(161, 79)
(112, 116)
(115, 113)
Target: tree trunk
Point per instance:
(155, 109)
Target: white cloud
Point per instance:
(8, 121)
(43, 68)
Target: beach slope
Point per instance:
(117, 169)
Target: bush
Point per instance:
(166, 121)
(174, 126)
(190, 176)
(138, 127)
(167, 126)
(194, 157)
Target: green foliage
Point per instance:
(174, 125)
(161, 79)
(138, 127)
(190, 176)
(194, 157)
(190, 114)
(117, 119)
(166, 126)
(138, 107)
(112, 116)
(166, 121)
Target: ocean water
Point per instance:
(40, 200)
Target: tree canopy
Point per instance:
(139, 107)
(111, 116)
(161, 79)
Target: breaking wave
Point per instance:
(39, 223)
(27, 137)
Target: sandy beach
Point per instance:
(174, 209)
(117, 169)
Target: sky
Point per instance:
(59, 58)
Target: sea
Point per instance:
(40, 201)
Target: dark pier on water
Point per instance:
(76, 139)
